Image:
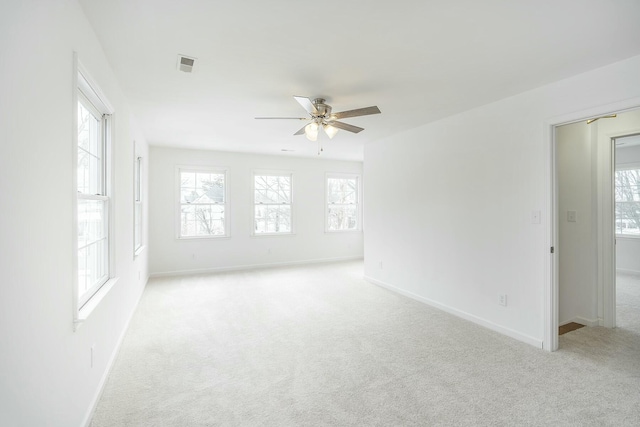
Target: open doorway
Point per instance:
(586, 223)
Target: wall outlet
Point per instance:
(380, 265)
(571, 216)
(502, 299)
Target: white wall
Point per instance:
(628, 248)
(310, 243)
(46, 378)
(449, 204)
(577, 240)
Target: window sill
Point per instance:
(627, 237)
(86, 310)
(139, 251)
(272, 235)
(203, 237)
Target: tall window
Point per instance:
(203, 203)
(343, 202)
(627, 188)
(93, 198)
(137, 202)
(272, 203)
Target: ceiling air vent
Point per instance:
(185, 63)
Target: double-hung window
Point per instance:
(627, 194)
(93, 199)
(343, 202)
(272, 213)
(137, 202)
(203, 203)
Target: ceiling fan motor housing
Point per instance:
(324, 110)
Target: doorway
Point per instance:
(583, 225)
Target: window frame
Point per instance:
(623, 167)
(178, 220)
(138, 202)
(88, 93)
(279, 173)
(335, 175)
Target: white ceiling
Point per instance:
(417, 60)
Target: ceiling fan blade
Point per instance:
(355, 113)
(301, 131)
(345, 126)
(281, 118)
(306, 104)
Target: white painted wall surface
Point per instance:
(577, 241)
(46, 378)
(449, 204)
(628, 248)
(309, 243)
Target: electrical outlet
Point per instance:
(502, 299)
(380, 264)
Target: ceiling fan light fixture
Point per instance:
(311, 131)
(330, 130)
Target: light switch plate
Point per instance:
(571, 216)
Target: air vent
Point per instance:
(185, 63)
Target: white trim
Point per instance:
(74, 188)
(103, 381)
(93, 302)
(252, 266)
(459, 313)
(551, 288)
(85, 87)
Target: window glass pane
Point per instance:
(91, 221)
(89, 168)
(202, 220)
(201, 187)
(627, 194)
(342, 190)
(273, 218)
(138, 180)
(137, 240)
(343, 217)
(272, 189)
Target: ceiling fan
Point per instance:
(321, 117)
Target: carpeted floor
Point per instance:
(319, 346)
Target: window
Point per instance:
(343, 203)
(203, 203)
(272, 203)
(93, 192)
(627, 190)
(137, 202)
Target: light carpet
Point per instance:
(319, 346)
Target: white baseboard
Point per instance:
(462, 314)
(584, 321)
(103, 381)
(252, 266)
(625, 271)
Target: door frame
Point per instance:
(606, 231)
